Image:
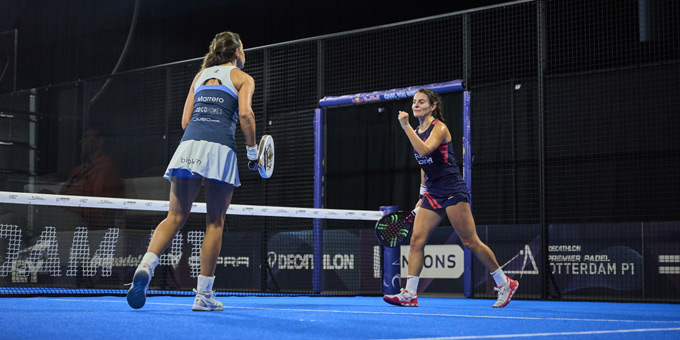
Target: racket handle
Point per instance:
(253, 165)
(410, 218)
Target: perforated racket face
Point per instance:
(392, 229)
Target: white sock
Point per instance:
(205, 283)
(499, 277)
(412, 284)
(150, 259)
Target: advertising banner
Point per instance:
(597, 259)
(107, 258)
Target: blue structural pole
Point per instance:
(391, 283)
(467, 175)
(319, 173)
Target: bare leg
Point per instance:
(182, 195)
(218, 197)
(425, 223)
(461, 218)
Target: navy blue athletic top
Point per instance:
(215, 109)
(441, 171)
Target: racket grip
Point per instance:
(253, 165)
(412, 216)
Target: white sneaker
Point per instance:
(205, 301)
(404, 298)
(505, 293)
(136, 296)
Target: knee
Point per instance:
(214, 223)
(417, 243)
(470, 242)
(176, 218)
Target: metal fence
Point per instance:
(574, 118)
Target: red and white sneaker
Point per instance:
(505, 293)
(404, 298)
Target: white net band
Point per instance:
(197, 207)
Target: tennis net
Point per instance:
(75, 245)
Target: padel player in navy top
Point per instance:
(443, 193)
(219, 97)
(441, 174)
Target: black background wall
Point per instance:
(65, 40)
(369, 159)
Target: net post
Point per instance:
(467, 175)
(319, 170)
(391, 270)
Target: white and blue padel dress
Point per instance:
(208, 145)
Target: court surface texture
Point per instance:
(164, 317)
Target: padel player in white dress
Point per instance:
(219, 98)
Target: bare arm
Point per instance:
(246, 88)
(189, 104)
(440, 133)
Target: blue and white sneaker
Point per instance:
(205, 302)
(136, 296)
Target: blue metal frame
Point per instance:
(407, 92)
(319, 171)
(391, 256)
(467, 175)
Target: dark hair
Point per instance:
(434, 98)
(222, 49)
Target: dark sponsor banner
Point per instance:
(107, 258)
(662, 259)
(290, 255)
(597, 259)
(606, 261)
(518, 251)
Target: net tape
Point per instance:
(197, 207)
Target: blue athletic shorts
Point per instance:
(185, 174)
(434, 201)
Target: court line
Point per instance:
(527, 335)
(392, 313)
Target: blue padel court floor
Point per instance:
(104, 318)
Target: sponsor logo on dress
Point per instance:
(424, 159)
(208, 110)
(190, 161)
(210, 99)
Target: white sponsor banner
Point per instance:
(440, 262)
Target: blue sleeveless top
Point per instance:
(441, 170)
(215, 109)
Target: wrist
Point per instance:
(251, 152)
(405, 126)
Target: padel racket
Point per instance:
(265, 155)
(392, 229)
